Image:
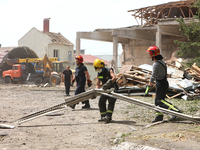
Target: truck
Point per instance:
(37, 69)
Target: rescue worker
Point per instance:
(67, 73)
(159, 73)
(80, 73)
(108, 79)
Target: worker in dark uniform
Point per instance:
(68, 76)
(108, 79)
(81, 74)
(159, 73)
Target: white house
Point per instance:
(45, 42)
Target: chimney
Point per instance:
(46, 25)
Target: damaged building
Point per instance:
(158, 26)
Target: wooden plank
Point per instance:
(188, 67)
(185, 91)
(136, 77)
(175, 95)
(194, 67)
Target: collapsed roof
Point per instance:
(152, 14)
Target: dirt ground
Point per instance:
(79, 129)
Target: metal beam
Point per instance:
(95, 92)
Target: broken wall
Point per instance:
(168, 45)
(134, 53)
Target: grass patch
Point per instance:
(191, 108)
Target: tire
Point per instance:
(55, 80)
(8, 80)
(38, 81)
(46, 80)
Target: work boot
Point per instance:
(73, 106)
(102, 119)
(158, 118)
(107, 119)
(87, 105)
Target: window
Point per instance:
(15, 67)
(55, 53)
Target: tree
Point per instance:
(191, 47)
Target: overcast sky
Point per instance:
(68, 17)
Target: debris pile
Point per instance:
(183, 83)
(17, 52)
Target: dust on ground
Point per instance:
(79, 128)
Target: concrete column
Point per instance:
(159, 38)
(78, 44)
(115, 51)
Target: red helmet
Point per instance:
(80, 58)
(153, 51)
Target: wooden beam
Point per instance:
(191, 12)
(182, 12)
(169, 12)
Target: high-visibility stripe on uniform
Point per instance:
(100, 77)
(109, 111)
(169, 105)
(159, 113)
(103, 113)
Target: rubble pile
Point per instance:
(17, 52)
(183, 83)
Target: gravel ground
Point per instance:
(79, 129)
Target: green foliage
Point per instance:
(191, 47)
(123, 135)
(195, 60)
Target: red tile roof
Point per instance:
(91, 59)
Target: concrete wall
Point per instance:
(168, 45)
(62, 51)
(36, 41)
(134, 53)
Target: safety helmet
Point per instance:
(153, 51)
(80, 58)
(98, 64)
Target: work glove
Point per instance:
(72, 82)
(147, 90)
(107, 85)
(89, 83)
